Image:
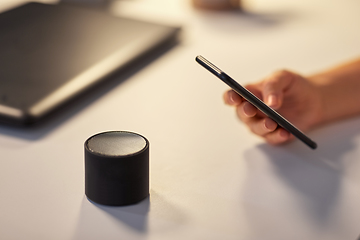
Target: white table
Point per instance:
(210, 177)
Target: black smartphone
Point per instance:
(256, 102)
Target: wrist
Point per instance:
(339, 91)
(321, 109)
(338, 100)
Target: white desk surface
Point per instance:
(210, 178)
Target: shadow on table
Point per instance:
(122, 214)
(295, 174)
(76, 105)
(99, 221)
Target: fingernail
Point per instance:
(249, 109)
(272, 100)
(270, 125)
(234, 98)
(284, 134)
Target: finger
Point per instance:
(255, 120)
(255, 89)
(275, 86)
(279, 136)
(258, 125)
(232, 98)
(262, 126)
(246, 111)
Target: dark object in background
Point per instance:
(217, 4)
(52, 53)
(117, 168)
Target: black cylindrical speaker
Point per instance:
(117, 168)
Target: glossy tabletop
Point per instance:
(210, 177)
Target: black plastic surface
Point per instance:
(117, 177)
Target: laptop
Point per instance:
(49, 54)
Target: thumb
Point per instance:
(274, 88)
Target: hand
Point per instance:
(293, 96)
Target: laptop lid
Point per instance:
(52, 53)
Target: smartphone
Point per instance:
(280, 120)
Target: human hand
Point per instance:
(293, 96)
